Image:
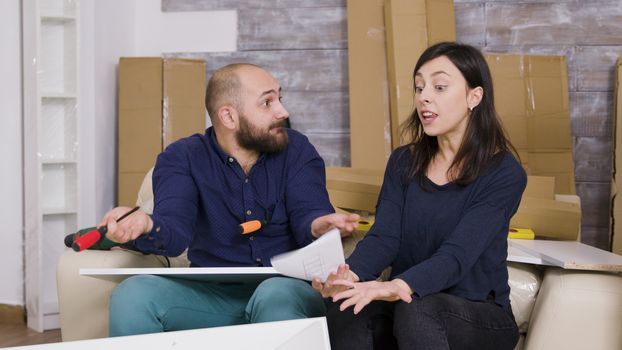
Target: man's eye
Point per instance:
(267, 103)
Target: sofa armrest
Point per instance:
(577, 310)
(83, 300)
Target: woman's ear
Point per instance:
(228, 117)
(474, 97)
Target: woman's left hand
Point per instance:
(360, 294)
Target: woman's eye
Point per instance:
(418, 89)
(440, 87)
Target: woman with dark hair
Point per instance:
(441, 223)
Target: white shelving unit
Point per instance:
(51, 148)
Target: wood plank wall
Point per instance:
(305, 46)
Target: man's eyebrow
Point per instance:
(271, 91)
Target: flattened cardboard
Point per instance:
(183, 108)
(160, 101)
(616, 239)
(352, 188)
(140, 113)
(411, 27)
(370, 134)
(531, 97)
(129, 183)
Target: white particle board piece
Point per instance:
(570, 254)
(520, 256)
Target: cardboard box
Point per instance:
(354, 189)
(160, 101)
(370, 134)
(531, 97)
(540, 187)
(411, 27)
(374, 105)
(616, 237)
(549, 218)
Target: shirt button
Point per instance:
(250, 238)
(231, 160)
(248, 212)
(258, 260)
(245, 181)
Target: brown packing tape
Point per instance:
(549, 218)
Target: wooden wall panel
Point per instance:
(470, 23)
(208, 5)
(593, 159)
(595, 203)
(595, 65)
(591, 114)
(334, 148)
(573, 23)
(318, 111)
(296, 70)
(292, 28)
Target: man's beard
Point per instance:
(252, 138)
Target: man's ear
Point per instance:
(475, 97)
(228, 117)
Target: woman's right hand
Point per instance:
(327, 288)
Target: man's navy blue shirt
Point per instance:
(201, 196)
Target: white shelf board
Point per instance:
(570, 254)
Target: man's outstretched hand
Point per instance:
(346, 223)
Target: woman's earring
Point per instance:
(470, 109)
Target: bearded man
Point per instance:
(247, 166)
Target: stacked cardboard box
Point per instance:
(547, 214)
(531, 97)
(616, 239)
(160, 101)
(411, 27)
(379, 78)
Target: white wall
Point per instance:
(109, 30)
(11, 198)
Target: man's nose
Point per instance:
(281, 112)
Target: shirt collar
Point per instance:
(210, 134)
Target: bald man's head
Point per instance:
(225, 88)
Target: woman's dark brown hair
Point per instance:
(484, 137)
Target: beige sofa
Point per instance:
(555, 308)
